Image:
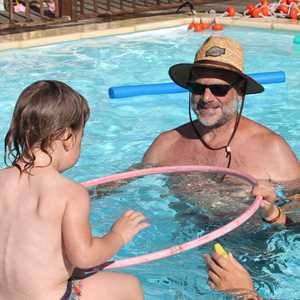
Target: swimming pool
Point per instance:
(119, 131)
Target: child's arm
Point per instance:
(83, 250)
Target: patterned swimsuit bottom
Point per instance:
(74, 290)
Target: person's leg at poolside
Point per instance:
(111, 286)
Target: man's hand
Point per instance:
(267, 191)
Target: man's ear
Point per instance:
(68, 139)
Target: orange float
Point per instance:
(231, 11)
(191, 26)
(250, 7)
(198, 27)
(217, 27)
(294, 12)
(255, 13)
(265, 11)
(283, 9)
(205, 26)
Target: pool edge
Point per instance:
(77, 32)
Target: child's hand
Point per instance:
(267, 191)
(129, 224)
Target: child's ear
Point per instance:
(68, 139)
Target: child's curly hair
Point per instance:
(43, 113)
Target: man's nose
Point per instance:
(207, 95)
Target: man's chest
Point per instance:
(251, 162)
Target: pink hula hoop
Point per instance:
(247, 214)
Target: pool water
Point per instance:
(120, 130)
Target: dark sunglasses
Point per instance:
(219, 90)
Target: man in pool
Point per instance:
(221, 136)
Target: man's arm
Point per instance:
(229, 276)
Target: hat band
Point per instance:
(217, 64)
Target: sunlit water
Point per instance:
(120, 130)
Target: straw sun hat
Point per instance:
(217, 56)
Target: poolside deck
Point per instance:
(89, 11)
(146, 20)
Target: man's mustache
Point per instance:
(203, 105)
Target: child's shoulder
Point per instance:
(56, 186)
(69, 187)
(9, 176)
(71, 193)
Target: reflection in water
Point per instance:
(182, 207)
(211, 193)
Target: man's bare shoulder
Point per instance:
(272, 151)
(274, 145)
(263, 136)
(253, 126)
(167, 138)
(163, 144)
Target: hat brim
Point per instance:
(180, 74)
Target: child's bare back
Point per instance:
(31, 213)
(44, 217)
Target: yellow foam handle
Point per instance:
(220, 250)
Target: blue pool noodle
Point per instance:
(172, 88)
(296, 39)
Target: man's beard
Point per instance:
(229, 111)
